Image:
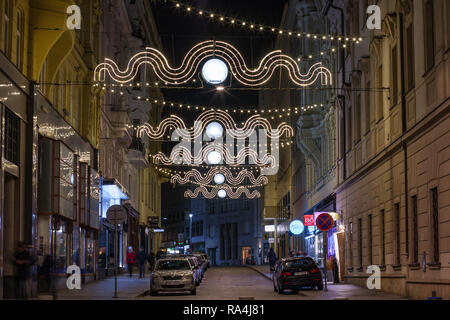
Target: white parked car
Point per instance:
(172, 275)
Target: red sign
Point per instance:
(324, 222)
(309, 220)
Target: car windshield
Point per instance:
(296, 264)
(173, 265)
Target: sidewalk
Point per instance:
(127, 288)
(336, 291)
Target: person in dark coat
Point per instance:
(141, 258)
(23, 261)
(335, 270)
(272, 259)
(44, 273)
(151, 261)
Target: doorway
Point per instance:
(11, 232)
(246, 254)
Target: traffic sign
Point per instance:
(324, 222)
(116, 214)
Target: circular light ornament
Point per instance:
(214, 130)
(222, 193)
(219, 178)
(296, 227)
(215, 71)
(214, 157)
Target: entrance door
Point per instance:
(246, 253)
(212, 256)
(11, 224)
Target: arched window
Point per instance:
(7, 27)
(19, 39)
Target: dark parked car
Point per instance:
(295, 273)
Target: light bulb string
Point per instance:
(249, 26)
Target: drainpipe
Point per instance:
(404, 143)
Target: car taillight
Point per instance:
(315, 270)
(286, 274)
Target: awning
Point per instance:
(112, 189)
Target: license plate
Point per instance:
(303, 273)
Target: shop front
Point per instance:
(322, 246)
(113, 193)
(68, 195)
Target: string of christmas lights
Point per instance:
(217, 49)
(212, 174)
(219, 117)
(222, 192)
(257, 27)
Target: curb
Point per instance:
(261, 273)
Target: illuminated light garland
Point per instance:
(217, 49)
(187, 158)
(222, 19)
(224, 118)
(285, 110)
(236, 169)
(215, 190)
(209, 177)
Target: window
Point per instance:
(42, 77)
(358, 117)
(349, 128)
(415, 230)
(367, 107)
(397, 232)
(7, 28)
(351, 243)
(435, 223)
(19, 40)
(410, 81)
(383, 238)
(360, 255)
(380, 92)
(369, 242)
(12, 131)
(429, 35)
(394, 86)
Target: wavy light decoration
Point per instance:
(224, 118)
(218, 49)
(227, 157)
(230, 192)
(209, 177)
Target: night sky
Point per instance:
(180, 31)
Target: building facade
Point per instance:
(392, 142)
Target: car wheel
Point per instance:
(295, 291)
(153, 292)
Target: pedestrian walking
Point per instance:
(151, 261)
(23, 261)
(101, 264)
(131, 257)
(335, 270)
(44, 274)
(141, 258)
(272, 259)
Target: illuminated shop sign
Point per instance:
(269, 228)
(296, 227)
(309, 220)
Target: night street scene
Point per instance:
(228, 157)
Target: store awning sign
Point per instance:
(269, 228)
(309, 220)
(324, 222)
(296, 227)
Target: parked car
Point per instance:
(173, 274)
(208, 261)
(295, 273)
(196, 269)
(202, 262)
